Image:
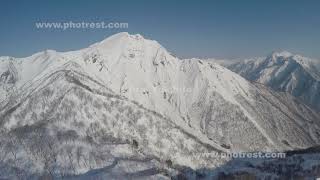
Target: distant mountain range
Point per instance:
(125, 107)
(283, 71)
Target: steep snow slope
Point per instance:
(129, 90)
(18, 72)
(83, 125)
(283, 71)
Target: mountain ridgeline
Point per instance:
(283, 71)
(125, 107)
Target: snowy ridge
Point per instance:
(129, 95)
(295, 74)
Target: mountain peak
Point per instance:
(127, 45)
(284, 54)
(122, 36)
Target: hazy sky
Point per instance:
(221, 29)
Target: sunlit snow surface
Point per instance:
(283, 71)
(127, 107)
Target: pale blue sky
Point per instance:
(222, 29)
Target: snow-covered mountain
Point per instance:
(127, 107)
(283, 71)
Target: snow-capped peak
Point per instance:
(126, 44)
(127, 99)
(122, 37)
(283, 54)
(311, 65)
(284, 71)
